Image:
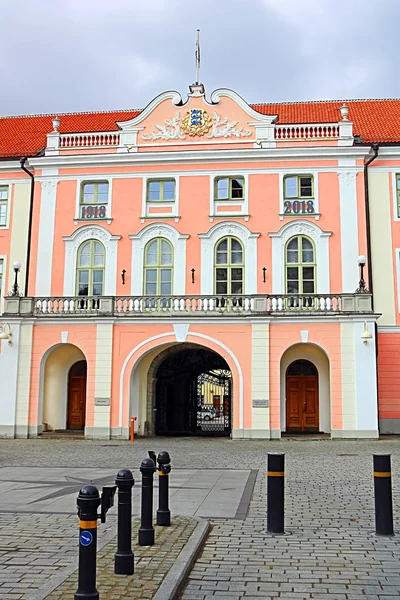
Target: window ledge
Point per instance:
(315, 216)
(230, 215)
(160, 218)
(94, 220)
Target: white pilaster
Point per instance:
(366, 385)
(349, 230)
(24, 380)
(102, 384)
(349, 397)
(9, 379)
(46, 237)
(260, 421)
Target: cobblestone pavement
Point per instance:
(329, 551)
(151, 565)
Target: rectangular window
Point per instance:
(229, 188)
(161, 190)
(298, 186)
(1, 275)
(3, 205)
(398, 193)
(94, 200)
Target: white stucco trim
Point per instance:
(243, 202)
(46, 237)
(139, 241)
(172, 335)
(208, 241)
(72, 243)
(167, 203)
(349, 229)
(321, 241)
(366, 384)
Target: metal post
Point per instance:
(146, 530)
(276, 493)
(164, 469)
(88, 502)
(383, 495)
(124, 559)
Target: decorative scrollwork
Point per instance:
(170, 131)
(223, 128)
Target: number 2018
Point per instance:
(298, 207)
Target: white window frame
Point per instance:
(394, 194)
(139, 243)
(10, 187)
(208, 243)
(174, 204)
(79, 189)
(301, 173)
(244, 203)
(72, 245)
(321, 243)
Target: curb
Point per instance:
(177, 575)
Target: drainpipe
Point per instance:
(372, 157)
(29, 243)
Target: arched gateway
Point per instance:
(191, 392)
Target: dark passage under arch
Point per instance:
(193, 394)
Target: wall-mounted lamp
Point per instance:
(15, 287)
(362, 288)
(193, 272)
(6, 333)
(366, 335)
(123, 276)
(264, 270)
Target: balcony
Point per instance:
(274, 305)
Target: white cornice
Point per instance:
(258, 117)
(198, 156)
(175, 97)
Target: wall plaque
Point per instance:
(102, 401)
(263, 403)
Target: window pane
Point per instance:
(84, 259)
(3, 193)
(154, 190)
(98, 260)
(97, 289)
(293, 244)
(98, 249)
(237, 188)
(308, 287)
(103, 188)
(154, 196)
(292, 256)
(151, 275)
(222, 189)
(83, 289)
(152, 253)
(88, 193)
(291, 187)
(222, 287)
(305, 186)
(3, 213)
(308, 272)
(308, 256)
(235, 245)
(166, 275)
(166, 289)
(169, 190)
(166, 253)
(236, 287)
(237, 274)
(98, 276)
(222, 258)
(236, 258)
(306, 244)
(292, 273)
(83, 276)
(293, 287)
(222, 274)
(151, 289)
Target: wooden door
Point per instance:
(76, 400)
(302, 409)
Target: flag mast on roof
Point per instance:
(197, 88)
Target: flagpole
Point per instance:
(197, 54)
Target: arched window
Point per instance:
(229, 267)
(158, 268)
(90, 269)
(300, 268)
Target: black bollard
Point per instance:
(146, 530)
(164, 469)
(383, 495)
(276, 493)
(88, 502)
(124, 559)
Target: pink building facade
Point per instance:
(195, 265)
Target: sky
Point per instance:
(88, 55)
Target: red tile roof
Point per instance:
(374, 121)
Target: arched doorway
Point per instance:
(77, 396)
(193, 391)
(302, 402)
